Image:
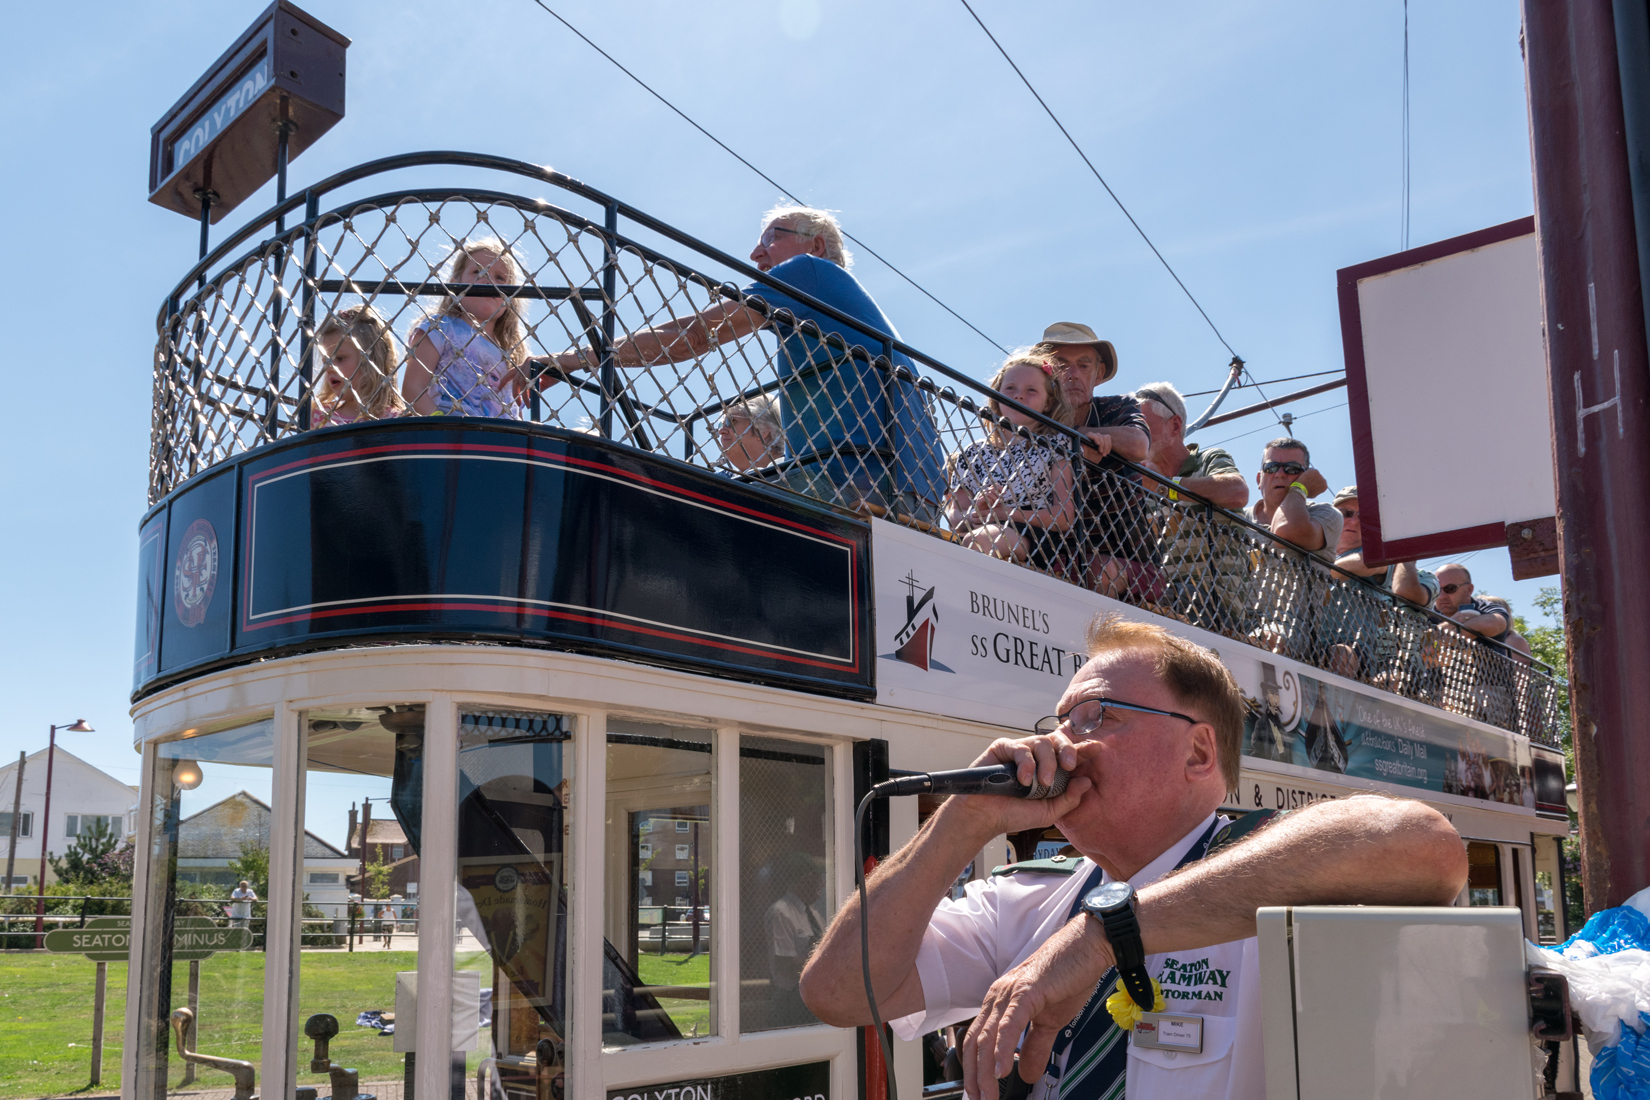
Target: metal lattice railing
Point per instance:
(467, 302)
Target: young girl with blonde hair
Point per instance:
(357, 353)
(466, 358)
(1011, 494)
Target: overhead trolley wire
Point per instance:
(770, 180)
(1268, 382)
(1073, 141)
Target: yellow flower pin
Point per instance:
(1126, 1012)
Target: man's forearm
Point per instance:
(1229, 491)
(1128, 442)
(1363, 850)
(1480, 623)
(903, 893)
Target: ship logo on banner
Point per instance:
(195, 573)
(914, 642)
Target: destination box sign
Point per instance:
(109, 939)
(222, 136)
(806, 1082)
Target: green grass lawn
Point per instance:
(679, 969)
(46, 1015)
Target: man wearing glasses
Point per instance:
(1455, 601)
(1287, 485)
(860, 437)
(1149, 732)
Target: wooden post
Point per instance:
(194, 1018)
(98, 999)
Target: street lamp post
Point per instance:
(77, 726)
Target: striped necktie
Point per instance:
(1097, 1050)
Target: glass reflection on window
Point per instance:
(513, 796)
(209, 801)
(784, 867)
(359, 919)
(658, 917)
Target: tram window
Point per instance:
(1483, 873)
(656, 980)
(209, 798)
(1546, 907)
(785, 875)
(363, 784)
(513, 783)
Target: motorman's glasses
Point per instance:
(1293, 469)
(1101, 715)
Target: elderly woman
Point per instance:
(750, 435)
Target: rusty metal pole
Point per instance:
(1599, 382)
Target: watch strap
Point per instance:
(1129, 955)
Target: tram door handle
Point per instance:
(245, 1074)
(346, 1083)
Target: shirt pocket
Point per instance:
(1218, 1034)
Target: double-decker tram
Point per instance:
(550, 698)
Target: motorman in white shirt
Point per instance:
(1149, 730)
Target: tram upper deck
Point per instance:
(456, 615)
(241, 388)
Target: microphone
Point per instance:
(997, 779)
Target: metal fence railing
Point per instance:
(466, 302)
(347, 927)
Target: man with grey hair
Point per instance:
(1113, 539)
(855, 436)
(750, 434)
(1204, 558)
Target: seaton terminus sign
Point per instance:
(109, 939)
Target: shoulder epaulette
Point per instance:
(1053, 865)
(1235, 830)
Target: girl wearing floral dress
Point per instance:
(1011, 494)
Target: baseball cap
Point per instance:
(1348, 493)
(1070, 332)
(1165, 394)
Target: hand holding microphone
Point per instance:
(999, 779)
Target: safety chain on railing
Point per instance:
(476, 303)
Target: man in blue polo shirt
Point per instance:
(854, 433)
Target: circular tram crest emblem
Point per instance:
(195, 573)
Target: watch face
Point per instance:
(1109, 896)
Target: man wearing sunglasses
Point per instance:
(1455, 601)
(1149, 731)
(1287, 485)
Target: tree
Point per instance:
(378, 877)
(1547, 644)
(86, 863)
(253, 866)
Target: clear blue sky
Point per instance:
(1257, 143)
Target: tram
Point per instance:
(592, 705)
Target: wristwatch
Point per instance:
(1112, 904)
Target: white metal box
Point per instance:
(1394, 1003)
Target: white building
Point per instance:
(81, 796)
(209, 840)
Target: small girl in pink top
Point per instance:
(359, 354)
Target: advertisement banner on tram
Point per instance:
(965, 635)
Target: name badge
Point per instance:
(1162, 1031)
